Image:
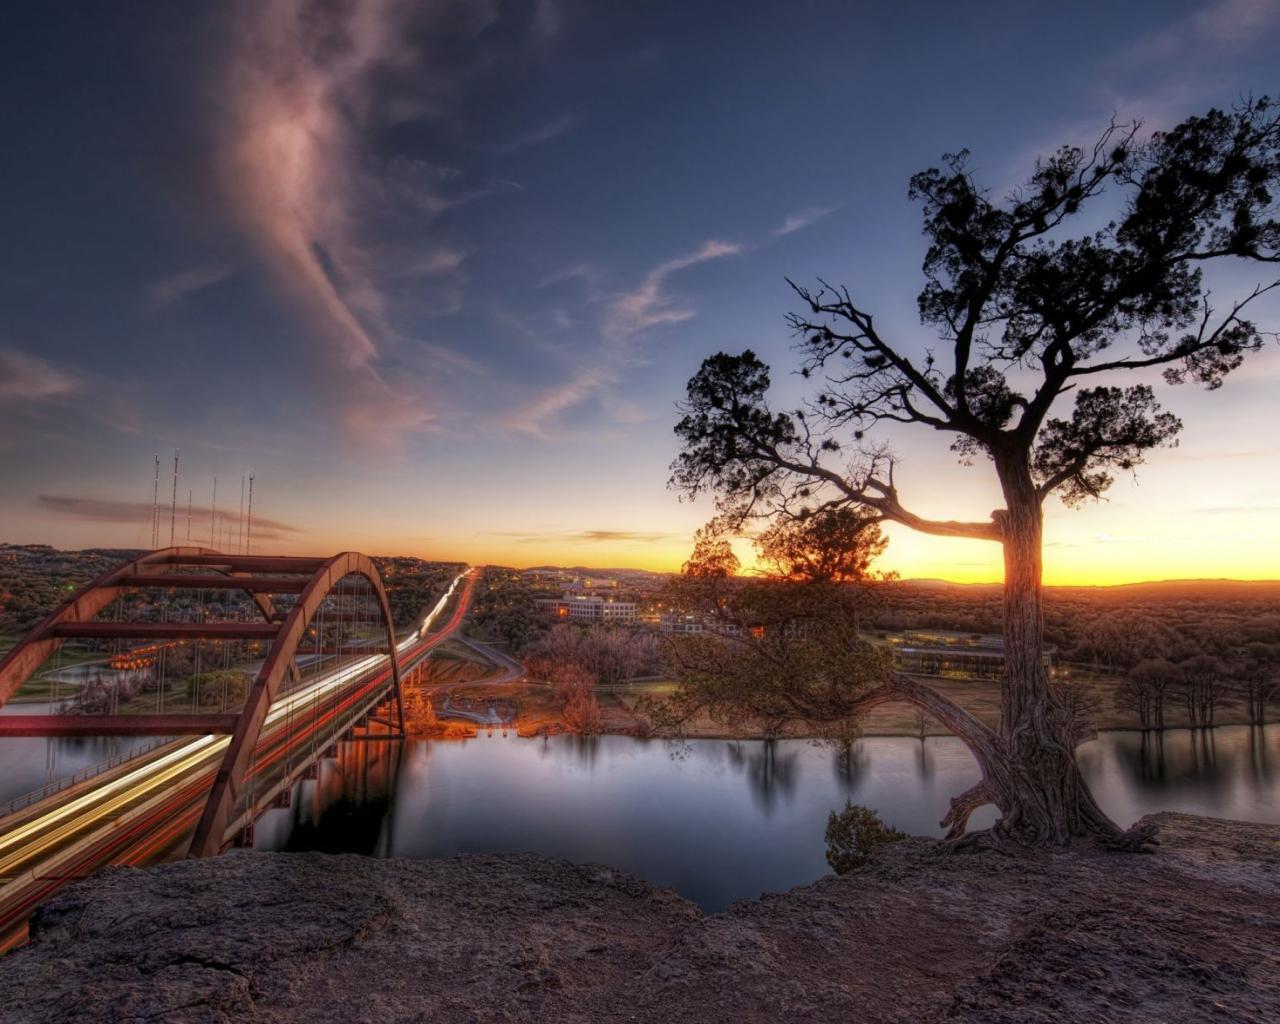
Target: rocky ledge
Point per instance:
(1190, 933)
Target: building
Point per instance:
(674, 623)
(942, 653)
(584, 584)
(588, 608)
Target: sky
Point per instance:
(437, 272)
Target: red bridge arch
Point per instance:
(261, 576)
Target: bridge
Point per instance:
(191, 625)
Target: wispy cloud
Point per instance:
(1157, 80)
(442, 260)
(433, 189)
(647, 306)
(804, 218)
(585, 272)
(589, 536)
(176, 287)
(300, 77)
(28, 379)
(553, 129)
(1222, 25)
(105, 510)
(312, 87)
(546, 23)
(384, 417)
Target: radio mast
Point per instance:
(155, 506)
(248, 526)
(173, 505)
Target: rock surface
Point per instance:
(1191, 933)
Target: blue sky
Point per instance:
(437, 272)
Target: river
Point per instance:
(713, 819)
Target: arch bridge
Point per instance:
(307, 614)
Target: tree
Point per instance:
(505, 608)
(1145, 689)
(1259, 679)
(222, 688)
(609, 655)
(1027, 314)
(563, 645)
(783, 646)
(419, 712)
(836, 549)
(852, 836)
(1203, 689)
(574, 690)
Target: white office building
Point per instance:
(588, 608)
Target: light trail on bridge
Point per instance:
(146, 811)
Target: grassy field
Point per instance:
(460, 671)
(981, 697)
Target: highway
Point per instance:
(144, 808)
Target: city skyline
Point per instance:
(438, 273)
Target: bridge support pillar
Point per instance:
(284, 798)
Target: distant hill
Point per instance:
(1171, 590)
(1151, 588)
(1220, 589)
(593, 570)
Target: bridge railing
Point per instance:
(19, 803)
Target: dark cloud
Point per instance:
(104, 510)
(591, 537)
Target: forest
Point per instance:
(1152, 655)
(1108, 628)
(36, 578)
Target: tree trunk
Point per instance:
(1039, 788)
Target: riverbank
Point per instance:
(1186, 933)
(623, 711)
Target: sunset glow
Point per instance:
(407, 294)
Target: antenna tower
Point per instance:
(248, 526)
(155, 507)
(173, 505)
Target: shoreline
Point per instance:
(464, 730)
(537, 714)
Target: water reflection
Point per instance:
(1225, 772)
(770, 770)
(716, 820)
(924, 759)
(348, 808)
(849, 761)
(1260, 764)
